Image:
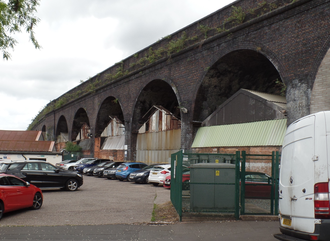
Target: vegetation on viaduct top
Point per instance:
(219, 24)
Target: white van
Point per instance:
(304, 179)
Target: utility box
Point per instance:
(212, 187)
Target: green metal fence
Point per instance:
(259, 193)
(212, 183)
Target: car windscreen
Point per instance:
(14, 166)
(108, 164)
(90, 162)
(121, 166)
(148, 167)
(3, 167)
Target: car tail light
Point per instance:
(61, 164)
(321, 200)
(126, 168)
(164, 172)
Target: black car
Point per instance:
(99, 170)
(90, 170)
(110, 173)
(45, 175)
(141, 176)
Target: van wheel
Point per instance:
(71, 185)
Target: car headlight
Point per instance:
(79, 175)
(140, 174)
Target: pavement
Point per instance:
(111, 210)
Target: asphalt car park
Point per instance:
(99, 201)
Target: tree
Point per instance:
(16, 15)
(71, 147)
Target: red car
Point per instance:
(17, 194)
(185, 181)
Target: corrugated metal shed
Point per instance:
(248, 106)
(262, 133)
(114, 143)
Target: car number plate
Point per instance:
(119, 170)
(287, 222)
(154, 173)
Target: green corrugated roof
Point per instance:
(261, 133)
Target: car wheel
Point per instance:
(1, 209)
(71, 185)
(37, 201)
(71, 168)
(155, 184)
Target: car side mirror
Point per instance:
(57, 170)
(27, 184)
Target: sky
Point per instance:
(79, 39)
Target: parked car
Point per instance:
(110, 173)
(185, 180)
(72, 166)
(126, 168)
(257, 185)
(62, 163)
(80, 167)
(159, 173)
(141, 176)
(89, 170)
(109, 166)
(45, 175)
(16, 194)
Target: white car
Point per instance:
(158, 173)
(72, 165)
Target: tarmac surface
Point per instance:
(112, 210)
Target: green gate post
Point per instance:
(237, 162)
(176, 182)
(243, 183)
(272, 185)
(277, 167)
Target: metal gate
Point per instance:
(212, 183)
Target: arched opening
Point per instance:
(110, 131)
(156, 123)
(241, 106)
(81, 132)
(43, 133)
(241, 69)
(62, 133)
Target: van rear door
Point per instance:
(297, 176)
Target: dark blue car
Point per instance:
(80, 167)
(124, 169)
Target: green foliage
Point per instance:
(282, 86)
(14, 16)
(175, 46)
(204, 29)
(71, 147)
(237, 15)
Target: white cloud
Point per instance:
(79, 39)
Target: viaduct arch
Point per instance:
(281, 42)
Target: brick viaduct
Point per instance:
(251, 44)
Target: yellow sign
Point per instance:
(216, 161)
(217, 173)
